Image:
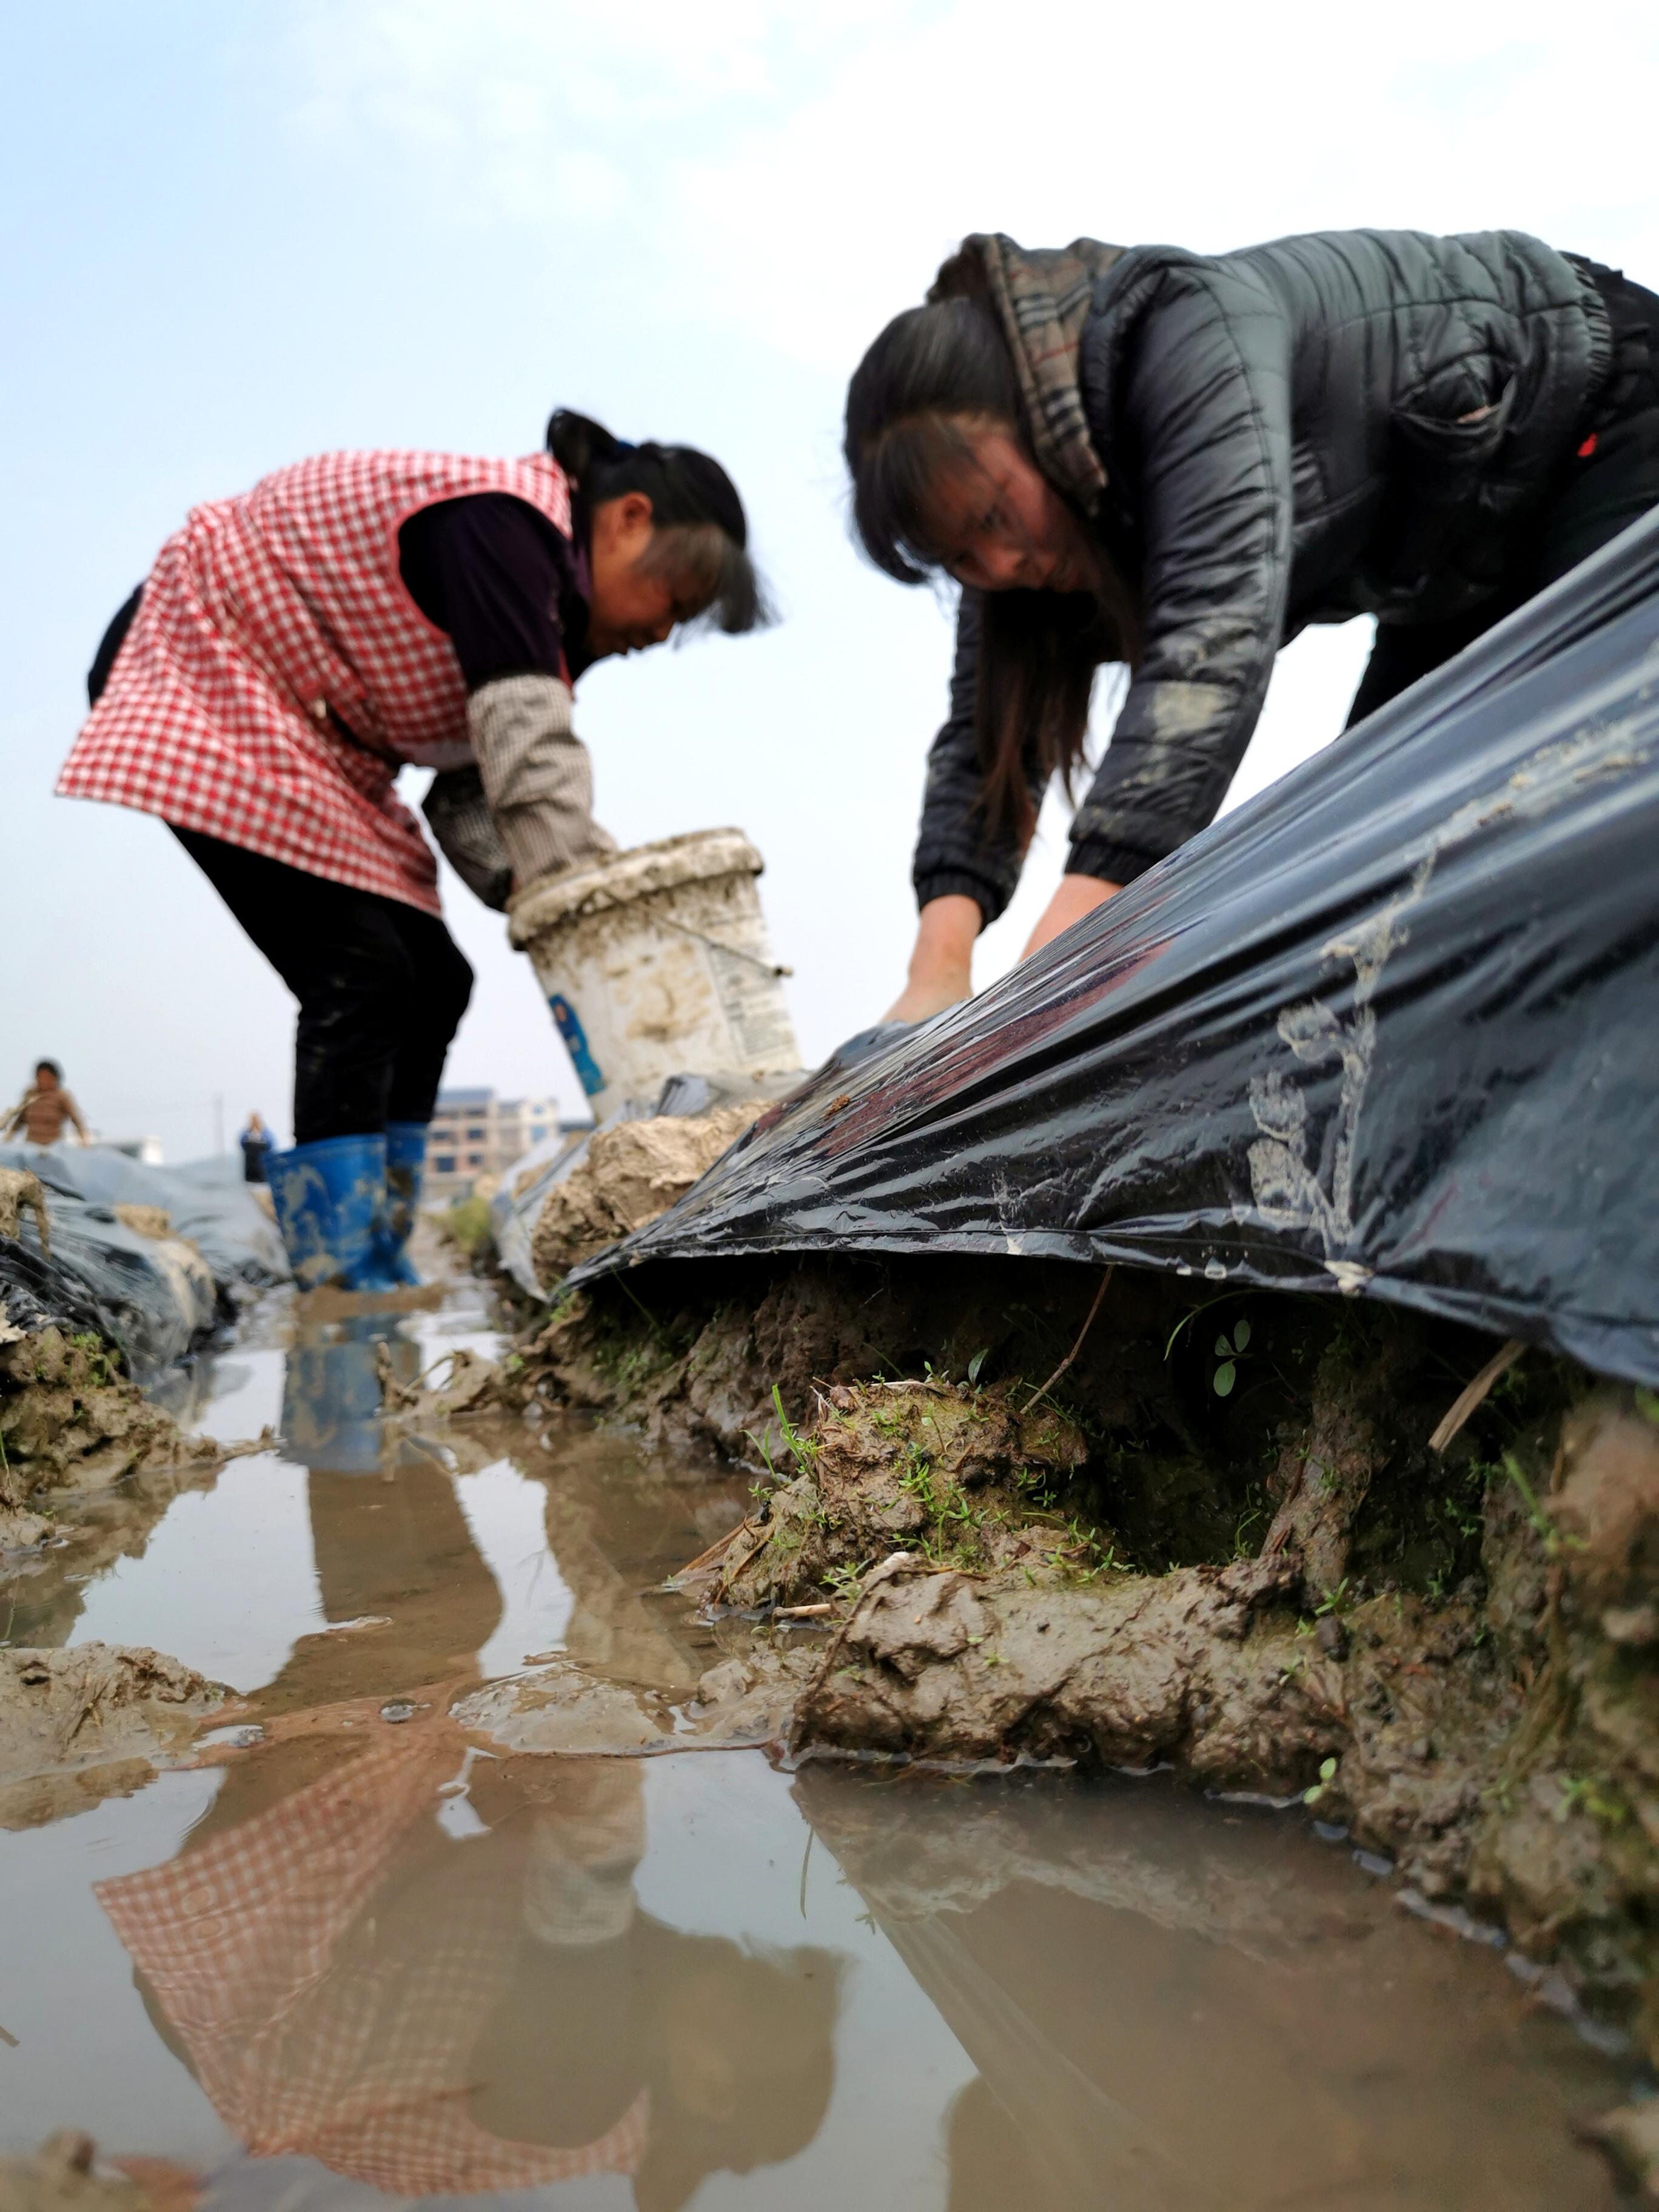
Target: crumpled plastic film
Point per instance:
(137, 1290)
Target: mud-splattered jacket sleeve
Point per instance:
(953, 851)
(1194, 402)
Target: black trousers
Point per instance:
(381, 987)
(1601, 493)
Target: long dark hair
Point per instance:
(701, 529)
(931, 368)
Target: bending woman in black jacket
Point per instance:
(1176, 462)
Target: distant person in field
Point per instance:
(46, 1106)
(256, 1150)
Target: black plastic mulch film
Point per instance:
(1392, 1029)
(116, 1282)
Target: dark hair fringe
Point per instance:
(691, 497)
(50, 1066)
(931, 368)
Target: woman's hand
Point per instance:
(1075, 896)
(942, 963)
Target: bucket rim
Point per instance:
(618, 879)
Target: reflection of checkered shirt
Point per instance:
(267, 621)
(309, 2043)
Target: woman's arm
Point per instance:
(1074, 896)
(964, 878)
(942, 961)
(490, 571)
(1190, 388)
(536, 774)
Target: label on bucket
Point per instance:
(753, 1005)
(569, 1024)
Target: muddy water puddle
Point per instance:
(364, 1959)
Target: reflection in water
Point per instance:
(332, 1387)
(430, 2012)
(434, 2015)
(1170, 2010)
(399, 1547)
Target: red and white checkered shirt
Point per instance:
(267, 621)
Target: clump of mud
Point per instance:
(1270, 1581)
(92, 1721)
(70, 1421)
(631, 1174)
(20, 1193)
(460, 1382)
(64, 2175)
(959, 1473)
(561, 1707)
(1629, 2138)
(143, 1221)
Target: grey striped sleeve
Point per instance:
(536, 774)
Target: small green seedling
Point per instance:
(1327, 1775)
(1580, 1794)
(1554, 1540)
(1229, 1351)
(802, 1450)
(977, 1362)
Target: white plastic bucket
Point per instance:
(656, 963)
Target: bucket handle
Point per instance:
(731, 951)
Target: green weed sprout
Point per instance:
(1327, 1775)
(1229, 1351)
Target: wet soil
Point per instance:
(72, 1421)
(409, 1921)
(1249, 1544)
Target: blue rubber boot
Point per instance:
(406, 1168)
(330, 1198)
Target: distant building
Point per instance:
(475, 1133)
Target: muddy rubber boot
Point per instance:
(330, 1198)
(405, 1167)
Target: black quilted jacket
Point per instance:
(1354, 421)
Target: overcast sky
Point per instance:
(238, 235)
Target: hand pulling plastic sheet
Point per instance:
(1392, 1028)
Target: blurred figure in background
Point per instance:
(44, 1109)
(256, 1150)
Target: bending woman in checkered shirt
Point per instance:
(292, 649)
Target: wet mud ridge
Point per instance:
(1279, 1544)
(73, 1423)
